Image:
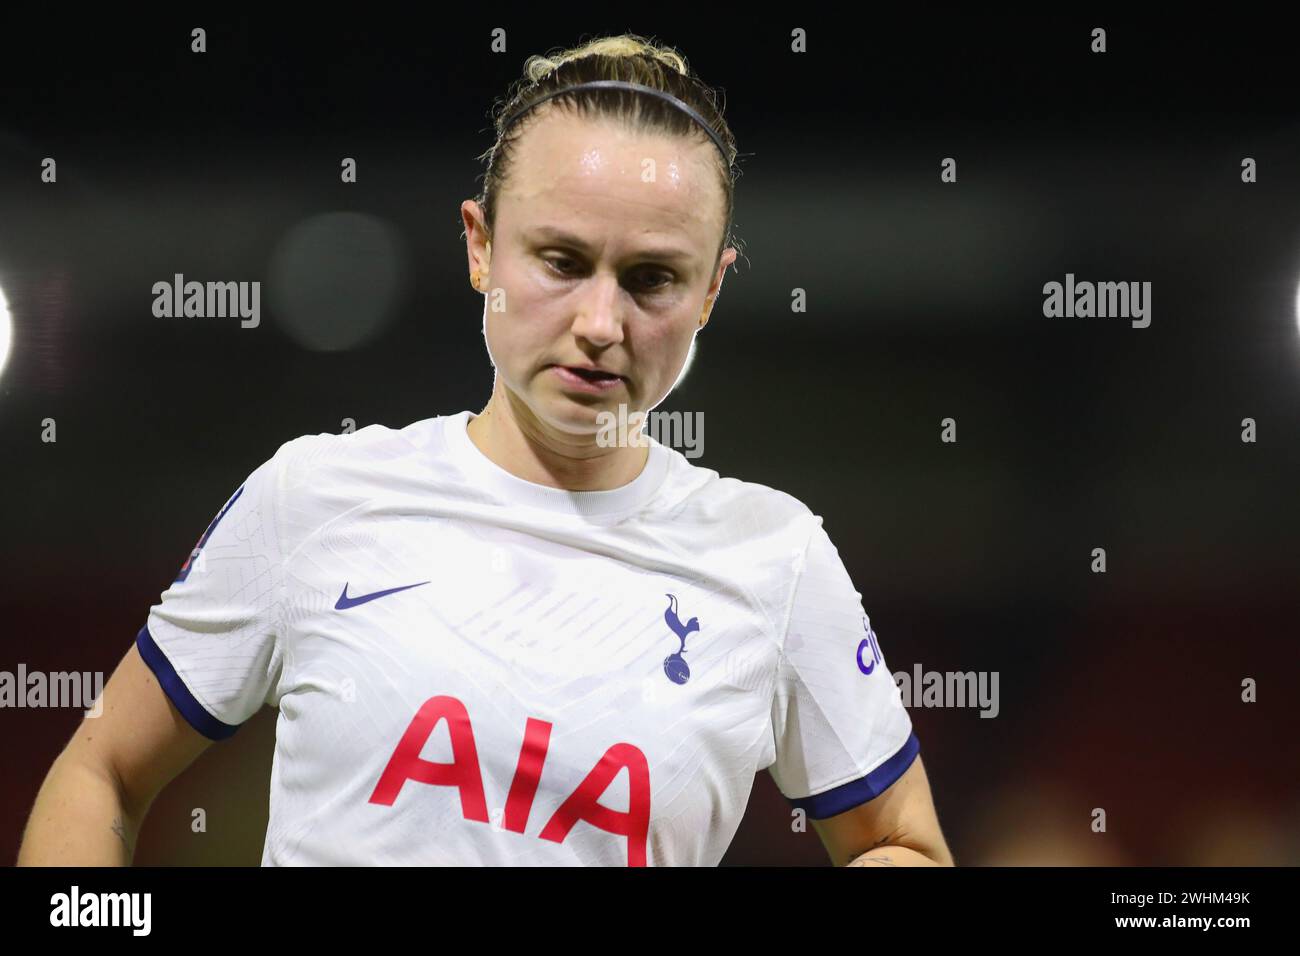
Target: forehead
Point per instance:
(573, 169)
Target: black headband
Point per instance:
(623, 85)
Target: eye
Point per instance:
(551, 263)
(667, 278)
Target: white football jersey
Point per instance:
(471, 668)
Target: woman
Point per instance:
(504, 638)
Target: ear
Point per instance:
(728, 257)
(478, 245)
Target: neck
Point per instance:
(508, 433)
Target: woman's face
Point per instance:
(603, 255)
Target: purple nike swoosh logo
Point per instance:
(345, 602)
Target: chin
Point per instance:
(571, 414)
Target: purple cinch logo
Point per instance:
(868, 642)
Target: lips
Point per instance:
(591, 375)
(592, 381)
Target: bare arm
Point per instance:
(897, 828)
(95, 797)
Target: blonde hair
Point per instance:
(627, 57)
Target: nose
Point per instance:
(599, 319)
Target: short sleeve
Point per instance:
(212, 639)
(842, 735)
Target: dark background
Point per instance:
(1118, 690)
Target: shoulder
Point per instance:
(311, 459)
(312, 479)
(736, 505)
(373, 444)
(741, 535)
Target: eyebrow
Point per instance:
(556, 234)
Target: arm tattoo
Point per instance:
(120, 829)
(864, 860)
